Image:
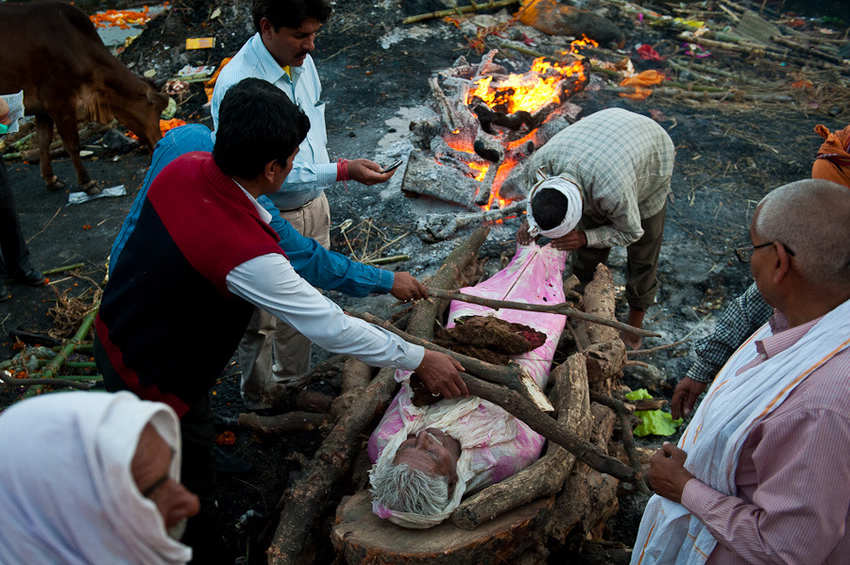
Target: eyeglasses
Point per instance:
(744, 253)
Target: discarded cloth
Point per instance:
(494, 444)
(640, 81)
(833, 159)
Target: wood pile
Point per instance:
(570, 491)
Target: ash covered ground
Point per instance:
(374, 73)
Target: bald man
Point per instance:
(762, 473)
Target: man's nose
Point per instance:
(310, 43)
(184, 504)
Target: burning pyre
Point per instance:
(491, 121)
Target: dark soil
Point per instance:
(374, 74)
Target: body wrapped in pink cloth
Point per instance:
(485, 443)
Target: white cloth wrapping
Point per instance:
(67, 493)
(494, 444)
(669, 533)
(574, 207)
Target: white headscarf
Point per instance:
(574, 207)
(67, 494)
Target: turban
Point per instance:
(572, 215)
(68, 494)
(833, 160)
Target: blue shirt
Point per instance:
(322, 268)
(311, 170)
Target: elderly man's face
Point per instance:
(431, 451)
(150, 467)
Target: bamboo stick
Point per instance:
(63, 268)
(492, 4)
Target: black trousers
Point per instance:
(14, 255)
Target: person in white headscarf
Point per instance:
(91, 478)
(605, 181)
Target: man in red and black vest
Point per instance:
(202, 250)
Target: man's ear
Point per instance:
(266, 26)
(270, 170)
(783, 263)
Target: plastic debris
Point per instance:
(200, 43)
(113, 191)
(195, 74)
(652, 422)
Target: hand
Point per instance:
(367, 172)
(4, 113)
(439, 372)
(573, 240)
(407, 288)
(685, 396)
(522, 236)
(667, 474)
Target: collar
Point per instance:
(264, 214)
(783, 337)
(268, 68)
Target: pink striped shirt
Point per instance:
(793, 476)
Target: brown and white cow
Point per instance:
(52, 51)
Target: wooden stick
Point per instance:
(458, 10)
(508, 376)
(808, 50)
(63, 269)
(388, 260)
(564, 308)
(422, 318)
(546, 426)
(289, 422)
(628, 436)
(545, 476)
(52, 382)
(52, 367)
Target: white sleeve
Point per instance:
(269, 282)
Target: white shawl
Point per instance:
(669, 533)
(66, 491)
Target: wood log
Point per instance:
(355, 379)
(289, 422)
(599, 300)
(546, 475)
(421, 321)
(361, 538)
(301, 505)
(313, 401)
(544, 425)
(585, 488)
(605, 360)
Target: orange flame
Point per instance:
(480, 168)
(530, 91)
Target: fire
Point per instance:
(530, 91)
(480, 169)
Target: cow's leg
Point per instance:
(67, 126)
(44, 126)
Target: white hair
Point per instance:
(812, 218)
(402, 488)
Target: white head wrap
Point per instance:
(574, 207)
(67, 494)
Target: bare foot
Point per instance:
(632, 341)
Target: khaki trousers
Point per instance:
(642, 263)
(271, 352)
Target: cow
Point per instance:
(52, 51)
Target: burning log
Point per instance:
(422, 176)
(607, 353)
(438, 227)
